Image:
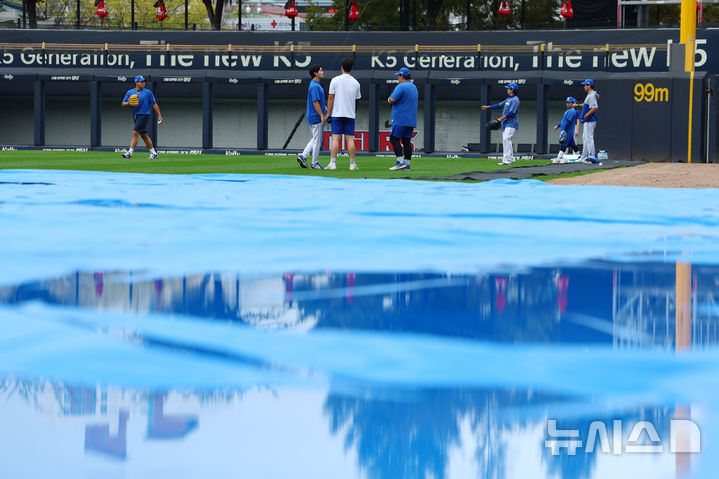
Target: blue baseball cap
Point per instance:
(139, 78)
(571, 99)
(513, 86)
(589, 82)
(404, 71)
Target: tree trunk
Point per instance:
(32, 13)
(215, 15)
(433, 8)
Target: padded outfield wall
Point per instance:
(249, 92)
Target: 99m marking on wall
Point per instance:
(649, 93)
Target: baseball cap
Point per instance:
(589, 82)
(404, 71)
(139, 78)
(571, 99)
(513, 86)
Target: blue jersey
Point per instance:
(589, 103)
(568, 124)
(315, 93)
(146, 100)
(404, 108)
(510, 111)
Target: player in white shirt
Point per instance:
(341, 107)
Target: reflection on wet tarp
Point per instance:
(377, 432)
(625, 304)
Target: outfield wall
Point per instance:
(259, 112)
(246, 90)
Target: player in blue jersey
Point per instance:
(569, 129)
(509, 119)
(142, 102)
(316, 118)
(404, 100)
(589, 118)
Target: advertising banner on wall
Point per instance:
(633, 51)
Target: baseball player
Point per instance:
(141, 100)
(589, 118)
(341, 106)
(569, 127)
(404, 118)
(509, 119)
(316, 118)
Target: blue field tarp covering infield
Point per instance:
(55, 223)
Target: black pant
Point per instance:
(406, 142)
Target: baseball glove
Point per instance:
(134, 100)
(494, 125)
(563, 136)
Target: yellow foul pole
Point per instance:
(687, 36)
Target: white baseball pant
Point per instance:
(315, 144)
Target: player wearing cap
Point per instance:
(316, 118)
(589, 118)
(404, 118)
(509, 119)
(341, 106)
(142, 101)
(569, 129)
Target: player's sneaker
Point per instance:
(505, 162)
(301, 161)
(331, 166)
(354, 167)
(153, 156)
(127, 155)
(400, 165)
(593, 161)
(317, 166)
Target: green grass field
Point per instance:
(370, 166)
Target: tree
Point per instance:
(215, 15)
(31, 6)
(64, 13)
(437, 15)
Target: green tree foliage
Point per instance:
(438, 15)
(64, 13)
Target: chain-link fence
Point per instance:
(556, 107)
(234, 112)
(525, 138)
(116, 121)
(67, 114)
(17, 125)
(181, 107)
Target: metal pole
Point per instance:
(347, 18)
(414, 15)
(293, 24)
(688, 32)
(24, 14)
(186, 19)
(239, 15)
(469, 21)
(78, 14)
(132, 15)
(522, 16)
